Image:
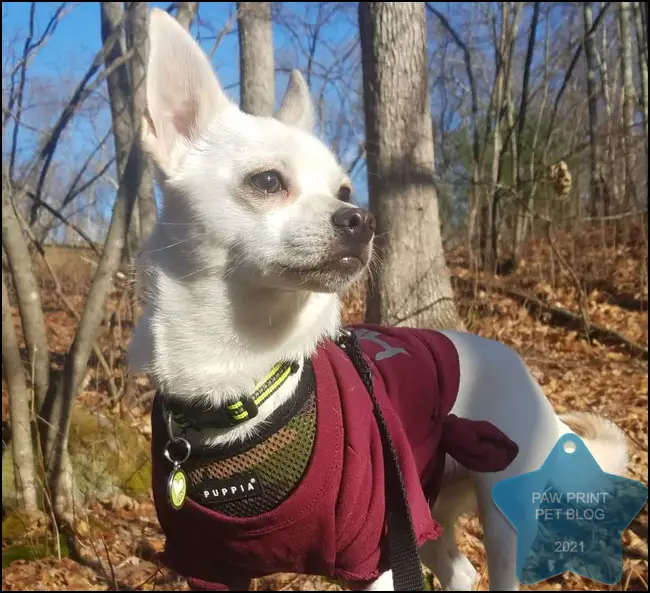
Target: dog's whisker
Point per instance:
(194, 272)
(233, 266)
(148, 251)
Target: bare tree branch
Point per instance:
(74, 191)
(221, 35)
(476, 151)
(21, 90)
(29, 50)
(48, 153)
(65, 221)
(48, 144)
(569, 73)
(60, 401)
(58, 289)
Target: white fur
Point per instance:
(222, 304)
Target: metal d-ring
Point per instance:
(344, 335)
(168, 455)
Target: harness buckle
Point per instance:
(250, 406)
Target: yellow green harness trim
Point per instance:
(273, 380)
(245, 408)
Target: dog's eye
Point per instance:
(268, 182)
(345, 193)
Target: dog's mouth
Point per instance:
(351, 264)
(344, 264)
(330, 274)
(342, 258)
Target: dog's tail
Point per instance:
(605, 441)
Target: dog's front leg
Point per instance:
(382, 583)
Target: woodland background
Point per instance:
(503, 147)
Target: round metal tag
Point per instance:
(177, 488)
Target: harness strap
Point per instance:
(198, 416)
(403, 548)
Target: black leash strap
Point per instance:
(404, 555)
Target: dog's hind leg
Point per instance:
(499, 538)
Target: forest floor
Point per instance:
(117, 538)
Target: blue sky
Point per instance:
(78, 36)
(59, 66)
(63, 61)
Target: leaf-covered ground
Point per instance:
(117, 539)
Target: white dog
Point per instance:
(244, 268)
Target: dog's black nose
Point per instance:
(356, 223)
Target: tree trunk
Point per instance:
(120, 95)
(19, 412)
(610, 188)
(525, 199)
(186, 13)
(123, 92)
(257, 69)
(28, 294)
(629, 97)
(136, 26)
(488, 211)
(475, 202)
(499, 206)
(144, 208)
(642, 55)
(414, 286)
(592, 101)
(502, 105)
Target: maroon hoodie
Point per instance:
(333, 523)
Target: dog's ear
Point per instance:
(182, 91)
(297, 108)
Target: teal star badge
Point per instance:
(569, 515)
